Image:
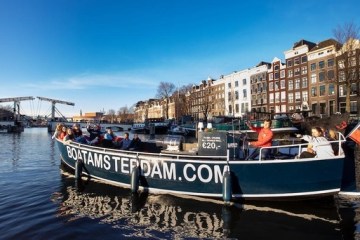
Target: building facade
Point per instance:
(259, 87)
(297, 80)
(323, 92)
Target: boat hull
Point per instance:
(203, 176)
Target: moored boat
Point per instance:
(138, 128)
(209, 174)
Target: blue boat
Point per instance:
(224, 176)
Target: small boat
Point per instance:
(157, 125)
(182, 130)
(138, 128)
(214, 171)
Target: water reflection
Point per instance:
(349, 213)
(151, 216)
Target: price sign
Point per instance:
(212, 143)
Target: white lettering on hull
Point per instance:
(205, 173)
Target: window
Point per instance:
(229, 96)
(236, 95)
(342, 91)
(321, 64)
(277, 75)
(313, 78)
(304, 70)
(230, 109)
(303, 59)
(297, 97)
(297, 61)
(290, 73)
(341, 76)
(353, 74)
(277, 97)
(276, 86)
(282, 84)
(353, 107)
(236, 83)
(291, 97)
(244, 93)
(282, 73)
(331, 89)
(289, 63)
(352, 62)
(330, 62)
(236, 108)
(264, 98)
(283, 96)
(271, 77)
(313, 67)
(297, 83)
(342, 107)
(353, 89)
(313, 92)
(244, 81)
(271, 86)
(271, 98)
(314, 108)
(229, 85)
(322, 108)
(276, 67)
(291, 85)
(321, 76)
(331, 75)
(305, 96)
(304, 82)
(341, 64)
(322, 90)
(297, 71)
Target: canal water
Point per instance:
(38, 200)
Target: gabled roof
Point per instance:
(327, 43)
(263, 63)
(304, 42)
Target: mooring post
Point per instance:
(226, 191)
(78, 168)
(227, 187)
(135, 179)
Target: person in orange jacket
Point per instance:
(265, 136)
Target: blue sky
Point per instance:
(108, 54)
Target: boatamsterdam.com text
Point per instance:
(166, 170)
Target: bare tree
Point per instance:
(110, 116)
(182, 100)
(123, 114)
(164, 91)
(348, 36)
(206, 103)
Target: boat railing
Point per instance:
(148, 155)
(296, 149)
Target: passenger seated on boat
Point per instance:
(318, 145)
(265, 136)
(69, 135)
(125, 143)
(78, 134)
(62, 133)
(76, 130)
(334, 141)
(109, 138)
(95, 133)
(135, 143)
(58, 130)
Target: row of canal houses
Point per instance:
(313, 77)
